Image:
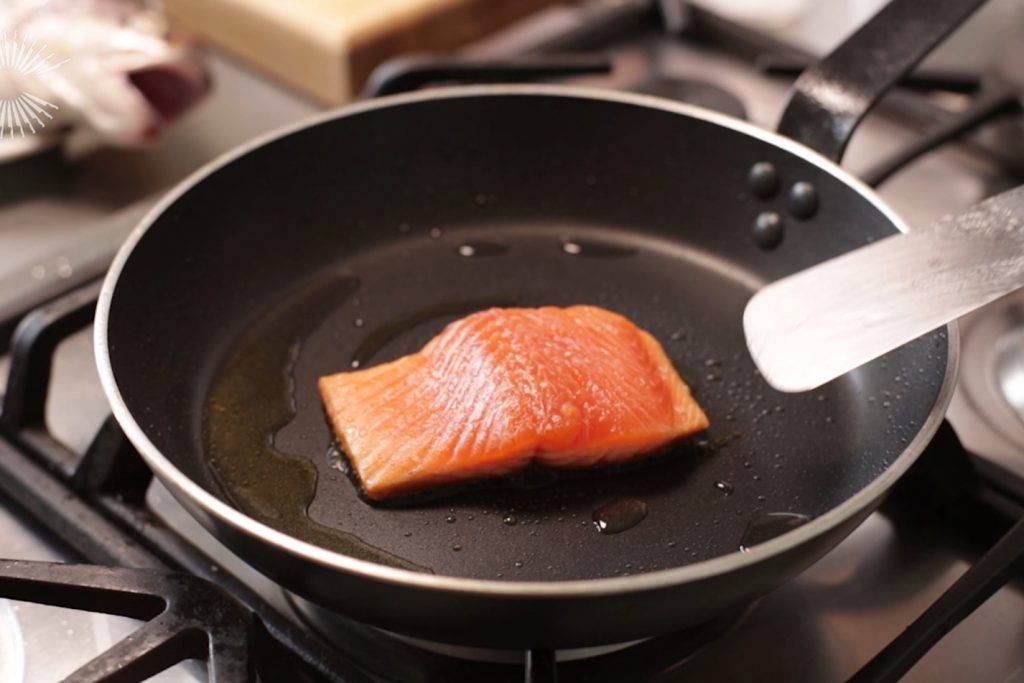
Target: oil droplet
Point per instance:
(619, 515)
(590, 248)
(354, 364)
(517, 564)
(725, 487)
(509, 520)
(456, 547)
(336, 459)
(768, 526)
(358, 322)
(407, 534)
(450, 519)
(481, 249)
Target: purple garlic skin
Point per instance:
(108, 72)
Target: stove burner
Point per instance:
(1009, 369)
(12, 647)
(700, 93)
(988, 408)
(395, 657)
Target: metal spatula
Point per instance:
(813, 326)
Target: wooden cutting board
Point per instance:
(327, 48)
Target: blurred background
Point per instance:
(145, 92)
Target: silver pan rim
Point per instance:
(178, 482)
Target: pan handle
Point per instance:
(829, 99)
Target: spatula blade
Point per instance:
(811, 327)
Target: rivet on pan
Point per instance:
(802, 201)
(768, 230)
(763, 180)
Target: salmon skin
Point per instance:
(573, 387)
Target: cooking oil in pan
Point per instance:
(619, 515)
(250, 398)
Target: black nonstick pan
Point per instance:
(353, 239)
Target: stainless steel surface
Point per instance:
(82, 259)
(819, 627)
(40, 219)
(813, 326)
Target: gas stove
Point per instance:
(107, 576)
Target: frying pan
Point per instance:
(354, 238)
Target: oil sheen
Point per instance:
(251, 397)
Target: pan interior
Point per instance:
(746, 479)
(348, 240)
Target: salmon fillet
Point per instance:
(565, 387)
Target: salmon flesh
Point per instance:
(573, 387)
